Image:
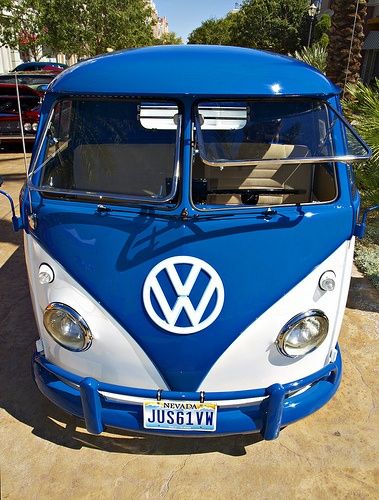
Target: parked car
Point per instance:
(30, 101)
(37, 80)
(41, 65)
(32, 87)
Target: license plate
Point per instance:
(179, 415)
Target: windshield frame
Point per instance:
(100, 197)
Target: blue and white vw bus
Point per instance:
(189, 219)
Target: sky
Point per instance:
(186, 15)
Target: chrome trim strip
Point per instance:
(325, 159)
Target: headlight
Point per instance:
(303, 333)
(34, 127)
(27, 127)
(67, 327)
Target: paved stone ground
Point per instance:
(45, 453)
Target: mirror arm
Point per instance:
(360, 228)
(16, 221)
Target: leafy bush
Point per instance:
(277, 25)
(362, 108)
(322, 29)
(314, 55)
(367, 252)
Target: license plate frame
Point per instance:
(184, 416)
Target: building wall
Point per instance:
(61, 58)
(161, 23)
(161, 28)
(372, 15)
(8, 59)
(370, 66)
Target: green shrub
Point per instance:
(362, 108)
(367, 252)
(322, 29)
(314, 55)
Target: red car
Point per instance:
(32, 88)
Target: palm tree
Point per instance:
(346, 41)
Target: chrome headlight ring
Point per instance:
(57, 312)
(308, 345)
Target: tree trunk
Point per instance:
(343, 65)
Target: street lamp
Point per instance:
(312, 11)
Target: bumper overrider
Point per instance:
(282, 404)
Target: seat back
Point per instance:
(268, 175)
(134, 169)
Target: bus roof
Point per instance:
(200, 70)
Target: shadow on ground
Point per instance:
(363, 296)
(20, 397)
(7, 235)
(12, 177)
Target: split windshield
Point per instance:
(103, 146)
(245, 153)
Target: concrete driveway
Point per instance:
(45, 453)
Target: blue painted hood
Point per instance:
(258, 261)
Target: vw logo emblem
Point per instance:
(167, 295)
